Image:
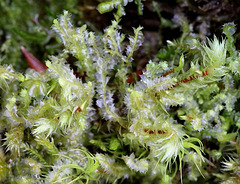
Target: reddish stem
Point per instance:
(33, 62)
(79, 109)
(169, 72)
(192, 77)
(131, 79)
(154, 132)
(151, 132)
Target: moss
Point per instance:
(95, 120)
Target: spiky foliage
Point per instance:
(109, 5)
(59, 128)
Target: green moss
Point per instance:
(178, 122)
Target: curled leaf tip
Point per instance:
(33, 62)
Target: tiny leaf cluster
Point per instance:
(88, 124)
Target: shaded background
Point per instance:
(28, 23)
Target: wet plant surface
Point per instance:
(123, 91)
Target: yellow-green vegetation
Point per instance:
(178, 123)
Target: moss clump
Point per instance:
(97, 121)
